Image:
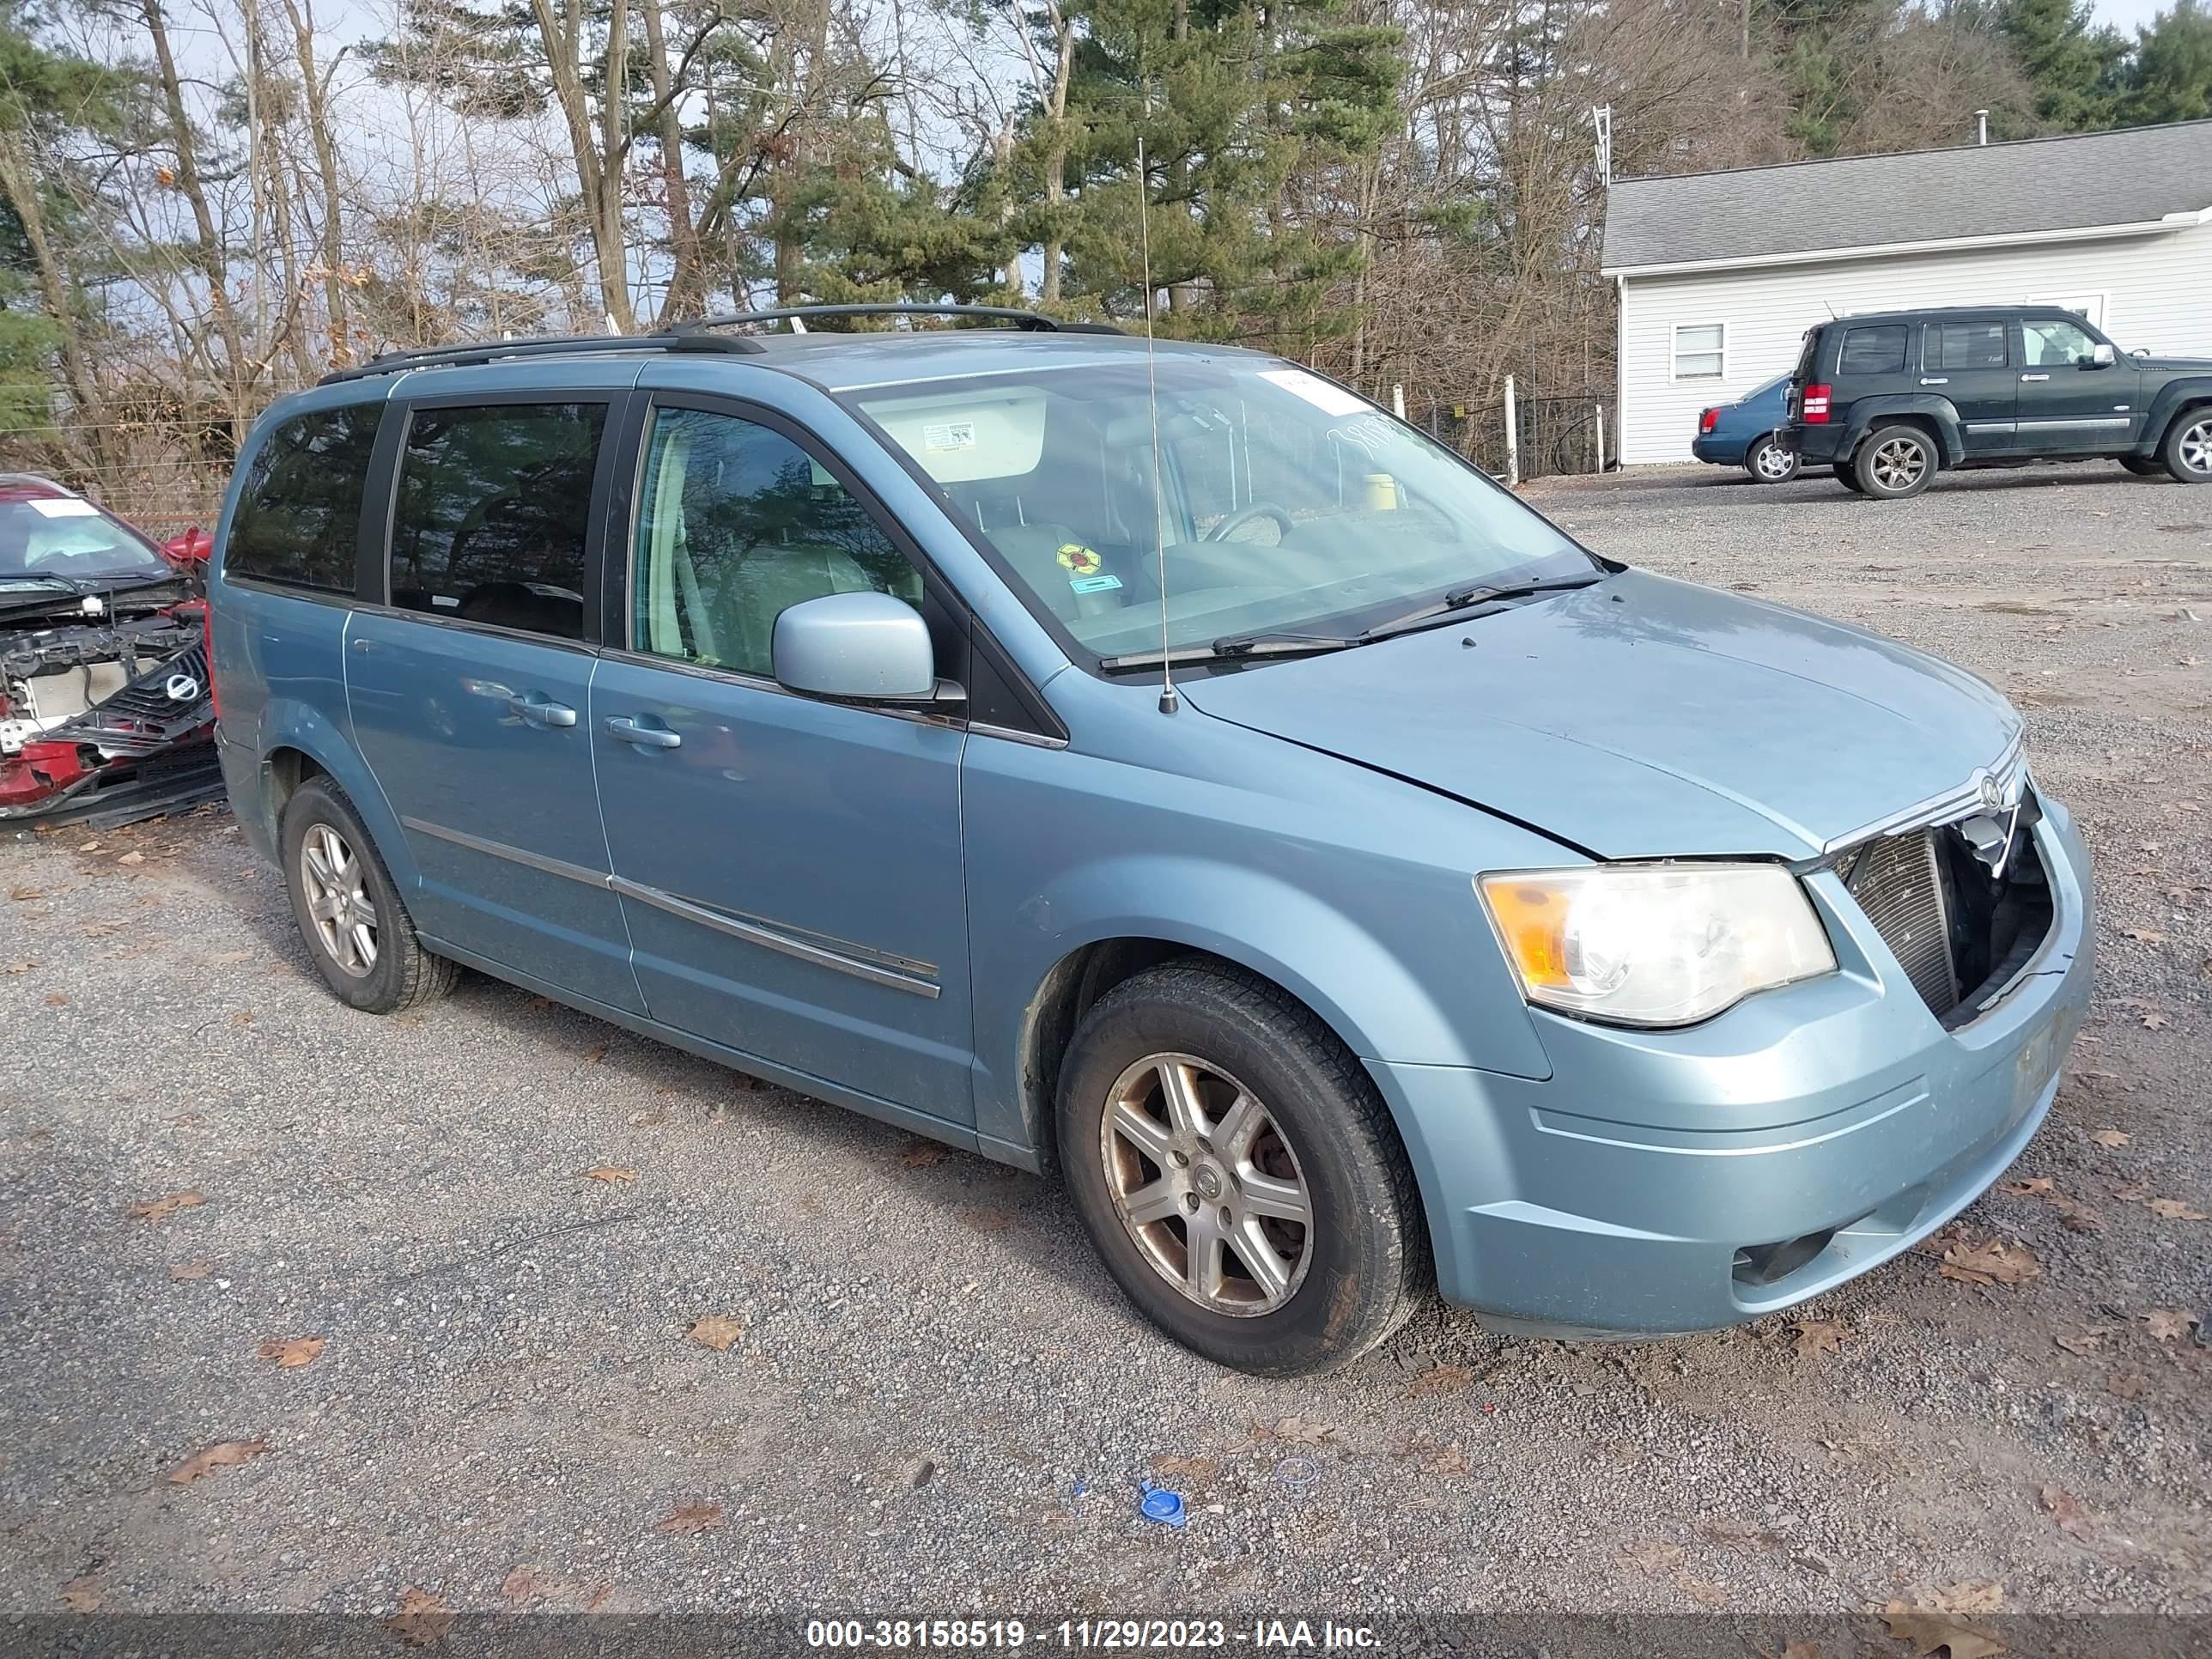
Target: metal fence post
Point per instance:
(1601, 437)
(1512, 439)
(1398, 399)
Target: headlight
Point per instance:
(1655, 944)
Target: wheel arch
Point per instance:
(1937, 416)
(299, 742)
(2174, 400)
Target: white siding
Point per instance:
(2158, 293)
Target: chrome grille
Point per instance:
(1896, 883)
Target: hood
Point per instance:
(1642, 717)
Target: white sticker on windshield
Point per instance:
(949, 434)
(1329, 399)
(67, 506)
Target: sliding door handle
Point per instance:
(623, 729)
(536, 708)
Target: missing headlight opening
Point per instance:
(107, 718)
(1965, 906)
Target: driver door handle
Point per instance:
(2035, 377)
(1936, 380)
(626, 730)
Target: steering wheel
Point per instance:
(1245, 515)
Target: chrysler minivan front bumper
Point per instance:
(1664, 1182)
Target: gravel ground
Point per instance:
(935, 1400)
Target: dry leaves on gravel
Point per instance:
(2089, 1341)
(227, 1454)
(1929, 1629)
(2126, 1385)
(1992, 1262)
(2110, 1137)
(25, 895)
(1703, 1591)
(717, 1331)
(522, 1587)
(83, 1594)
(2169, 1324)
(2174, 1209)
(612, 1175)
(686, 1520)
(421, 1621)
(1820, 1336)
(921, 1154)
(2066, 1509)
(191, 1269)
(985, 1219)
(1191, 1470)
(158, 1209)
(292, 1352)
(1440, 1379)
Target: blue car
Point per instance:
(1744, 433)
(1166, 770)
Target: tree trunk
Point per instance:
(19, 183)
(598, 177)
(687, 280)
(302, 17)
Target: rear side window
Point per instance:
(1966, 346)
(493, 509)
(299, 512)
(1872, 350)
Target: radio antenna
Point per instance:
(1168, 701)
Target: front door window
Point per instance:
(2054, 344)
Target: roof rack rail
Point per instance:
(543, 345)
(1028, 321)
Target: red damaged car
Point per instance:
(107, 711)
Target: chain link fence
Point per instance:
(1558, 434)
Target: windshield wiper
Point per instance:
(1461, 598)
(1229, 648)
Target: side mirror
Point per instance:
(2102, 355)
(2140, 351)
(869, 647)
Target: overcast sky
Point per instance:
(2129, 15)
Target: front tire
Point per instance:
(1770, 463)
(359, 934)
(1238, 1173)
(1895, 461)
(2141, 468)
(2187, 450)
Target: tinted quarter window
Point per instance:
(736, 524)
(1872, 350)
(299, 511)
(1966, 346)
(494, 502)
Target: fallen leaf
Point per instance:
(649, 1119)
(1652, 1556)
(227, 959)
(243, 1017)
(2076, 1216)
(292, 1352)
(2033, 1187)
(986, 1220)
(522, 1587)
(1820, 1336)
(191, 1269)
(921, 1154)
(2088, 1342)
(2167, 1323)
(1970, 1595)
(24, 896)
(21, 966)
(1929, 1629)
(2155, 1021)
(1304, 1431)
(1446, 1459)
(83, 1594)
(1737, 1534)
(422, 1620)
(2066, 1509)
(716, 1331)
(132, 858)
(1794, 1648)
(227, 1455)
(594, 1055)
(1439, 1379)
(2145, 935)
(687, 1519)
(2126, 1385)
(158, 1209)
(597, 1598)
(1192, 1471)
(1703, 1591)
(1993, 1262)
(611, 1175)
(56, 999)
(2175, 1210)
(536, 1005)
(89, 847)
(2133, 1192)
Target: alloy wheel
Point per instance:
(2196, 447)
(1206, 1184)
(1899, 463)
(335, 885)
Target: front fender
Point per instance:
(2171, 399)
(1867, 413)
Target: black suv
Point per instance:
(1888, 398)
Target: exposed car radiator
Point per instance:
(153, 711)
(1897, 884)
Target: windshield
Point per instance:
(66, 537)
(1284, 502)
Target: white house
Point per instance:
(1720, 274)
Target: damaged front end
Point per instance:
(106, 709)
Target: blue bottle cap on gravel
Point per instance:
(1161, 1505)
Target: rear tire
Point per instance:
(2187, 450)
(2141, 468)
(347, 908)
(1201, 1111)
(1770, 463)
(1895, 461)
(1846, 476)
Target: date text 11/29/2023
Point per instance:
(1087, 1635)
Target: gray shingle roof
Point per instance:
(2086, 179)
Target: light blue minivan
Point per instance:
(1165, 768)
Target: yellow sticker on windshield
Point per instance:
(1079, 559)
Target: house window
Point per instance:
(2089, 307)
(1700, 352)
